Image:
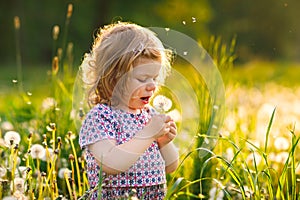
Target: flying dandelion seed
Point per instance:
(162, 103)
(184, 22)
(12, 138)
(194, 19)
(37, 151)
(15, 81)
(29, 93)
(167, 29)
(185, 53)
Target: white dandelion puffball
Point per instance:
(12, 138)
(37, 151)
(19, 184)
(7, 126)
(48, 104)
(162, 103)
(62, 171)
(281, 144)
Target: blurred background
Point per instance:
(255, 44)
(267, 30)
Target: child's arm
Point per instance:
(119, 158)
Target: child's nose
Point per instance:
(151, 86)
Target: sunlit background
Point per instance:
(255, 44)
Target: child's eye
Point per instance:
(141, 80)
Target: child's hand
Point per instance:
(168, 137)
(158, 126)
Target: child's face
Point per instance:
(141, 85)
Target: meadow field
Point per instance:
(254, 154)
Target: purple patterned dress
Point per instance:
(146, 178)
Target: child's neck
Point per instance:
(130, 110)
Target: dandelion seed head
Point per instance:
(281, 143)
(12, 138)
(162, 103)
(7, 126)
(37, 151)
(48, 103)
(63, 171)
(19, 184)
(48, 155)
(55, 32)
(17, 22)
(282, 157)
(216, 107)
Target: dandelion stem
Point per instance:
(77, 166)
(68, 185)
(18, 53)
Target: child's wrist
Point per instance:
(169, 153)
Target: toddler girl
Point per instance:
(124, 138)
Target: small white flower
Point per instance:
(281, 143)
(37, 151)
(48, 103)
(12, 138)
(7, 126)
(62, 171)
(162, 103)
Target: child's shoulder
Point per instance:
(100, 109)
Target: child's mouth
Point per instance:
(145, 100)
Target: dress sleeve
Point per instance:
(98, 125)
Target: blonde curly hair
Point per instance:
(117, 48)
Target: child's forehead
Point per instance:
(149, 68)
